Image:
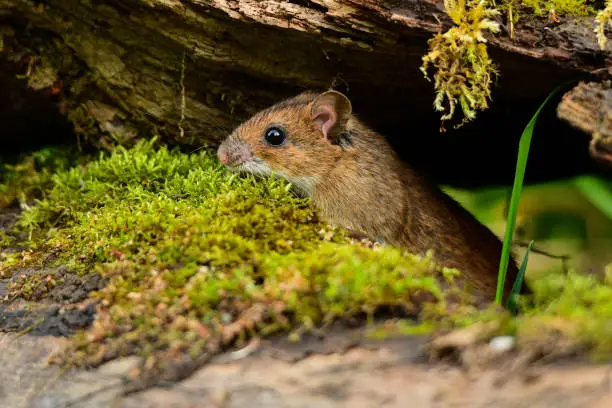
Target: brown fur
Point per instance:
(361, 184)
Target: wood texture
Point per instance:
(128, 66)
(588, 107)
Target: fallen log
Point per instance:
(191, 70)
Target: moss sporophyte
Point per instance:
(197, 260)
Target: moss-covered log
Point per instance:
(190, 70)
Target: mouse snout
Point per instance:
(234, 153)
(223, 155)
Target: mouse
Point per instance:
(357, 181)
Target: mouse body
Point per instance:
(357, 181)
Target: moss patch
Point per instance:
(543, 8)
(570, 315)
(572, 306)
(198, 259)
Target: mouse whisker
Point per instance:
(199, 148)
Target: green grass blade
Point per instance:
(518, 283)
(598, 192)
(519, 176)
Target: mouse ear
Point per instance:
(331, 110)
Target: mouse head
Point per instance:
(299, 139)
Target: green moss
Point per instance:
(543, 8)
(33, 287)
(574, 305)
(23, 182)
(570, 312)
(198, 259)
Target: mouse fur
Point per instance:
(357, 181)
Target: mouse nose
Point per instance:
(233, 153)
(223, 155)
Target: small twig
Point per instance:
(525, 244)
(196, 149)
(247, 350)
(183, 99)
(30, 327)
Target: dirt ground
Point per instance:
(389, 375)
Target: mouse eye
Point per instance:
(275, 136)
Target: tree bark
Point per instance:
(191, 70)
(588, 107)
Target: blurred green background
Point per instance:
(569, 220)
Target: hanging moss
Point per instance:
(603, 19)
(463, 71)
